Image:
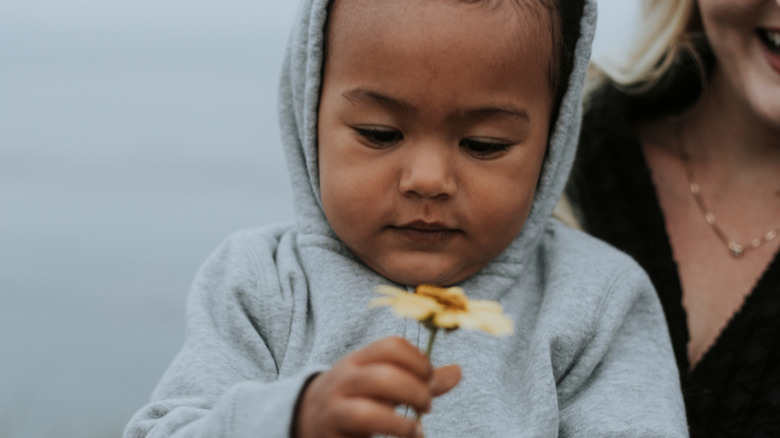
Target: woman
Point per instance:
(679, 165)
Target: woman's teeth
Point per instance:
(771, 38)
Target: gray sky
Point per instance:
(134, 136)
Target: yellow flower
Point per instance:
(446, 308)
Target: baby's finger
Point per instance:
(444, 379)
(365, 417)
(397, 351)
(390, 384)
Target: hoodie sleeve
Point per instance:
(225, 381)
(629, 354)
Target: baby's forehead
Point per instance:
(517, 26)
(531, 17)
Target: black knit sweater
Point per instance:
(734, 390)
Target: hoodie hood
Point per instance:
(298, 106)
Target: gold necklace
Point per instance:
(735, 249)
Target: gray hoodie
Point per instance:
(590, 355)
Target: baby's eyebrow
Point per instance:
(362, 96)
(494, 111)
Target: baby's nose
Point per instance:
(429, 172)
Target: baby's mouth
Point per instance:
(426, 226)
(770, 38)
(426, 232)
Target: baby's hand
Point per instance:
(357, 397)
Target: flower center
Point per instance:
(452, 298)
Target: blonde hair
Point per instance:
(671, 39)
(670, 33)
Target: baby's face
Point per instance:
(433, 125)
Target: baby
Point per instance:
(428, 142)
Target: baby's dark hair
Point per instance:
(564, 18)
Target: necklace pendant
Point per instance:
(736, 250)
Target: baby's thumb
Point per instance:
(444, 379)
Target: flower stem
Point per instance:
(432, 337)
(432, 331)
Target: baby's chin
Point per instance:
(416, 275)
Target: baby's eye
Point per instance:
(484, 149)
(380, 136)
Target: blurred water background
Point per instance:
(134, 136)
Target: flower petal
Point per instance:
(390, 290)
(417, 308)
(448, 319)
(406, 304)
(447, 308)
(485, 306)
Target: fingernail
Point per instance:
(419, 431)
